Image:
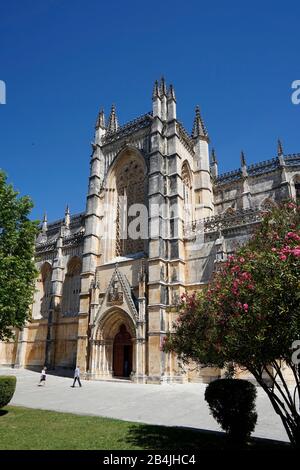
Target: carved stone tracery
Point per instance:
(131, 190)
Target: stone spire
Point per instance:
(202, 179)
(67, 217)
(243, 164)
(155, 93)
(156, 101)
(246, 193)
(243, 159)
(213, 156)
(163, 97)
(171, 104)
(199, 129)
(44, 225)
(171, 93)
(214, 164)
(100, 122)
(279, 148)
(282, 163)
(163, 87)
(112, 121)
(100, 129)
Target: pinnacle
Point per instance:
(113, 124)
(100, 122)
(279, 148)
(199, 129)
(243, 159)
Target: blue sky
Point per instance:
(62, 60)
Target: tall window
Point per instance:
(130, 190)
(42, 297)
(71, 288)
(295, 187)
(187, 193)
(297, 190)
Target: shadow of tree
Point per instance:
(152, 437)
(170, 438)
(3, 412)
(58, 372)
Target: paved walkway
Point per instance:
(171, 405)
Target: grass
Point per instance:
(24, 429)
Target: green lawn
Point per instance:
(24, 428)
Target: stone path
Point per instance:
(171, 405)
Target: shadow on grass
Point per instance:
(152, 437)
(3, 412)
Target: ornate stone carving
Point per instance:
(223, 221)
(184, 137)
(129, 128)
(257, 169)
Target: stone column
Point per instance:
(55, 304)
(91, 253)
(140, 341)
(246, 194)
(284, 184)
(21, 348)
(157, 244)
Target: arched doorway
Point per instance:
(122, 353)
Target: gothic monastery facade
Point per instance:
(104, 299)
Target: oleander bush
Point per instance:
(248, 316)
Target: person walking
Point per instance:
(43, 377)
(76, 376)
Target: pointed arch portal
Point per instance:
(114, 351)
(122, 353)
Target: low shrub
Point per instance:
(232, 404)
(7, 389)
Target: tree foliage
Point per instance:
(17, 268)
(249, 314)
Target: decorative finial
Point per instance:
(213, 156)
(155, 93)
(163, 87)
(44, 225)
(199, 129)
(100, 122)
(214, 164)
(279, 148)
(243, 159)
(67, 216)
(113, 121)
(171, 93)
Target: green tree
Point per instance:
(17, 268)
(249, 314)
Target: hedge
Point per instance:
(232, 404)
(7, 389)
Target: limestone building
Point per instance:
(158, 218)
